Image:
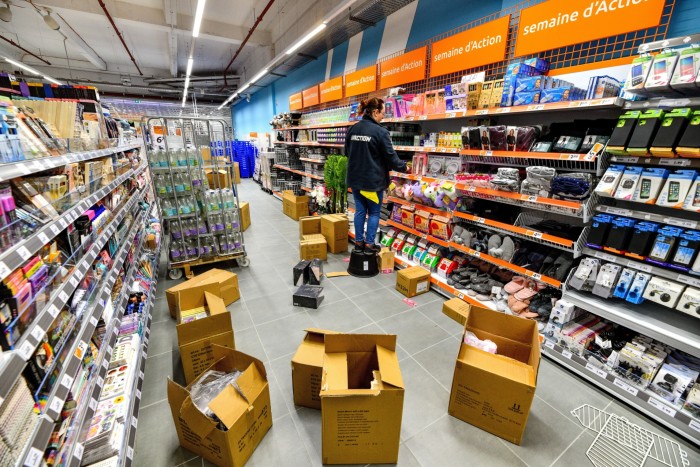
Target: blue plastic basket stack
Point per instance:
(243, 152)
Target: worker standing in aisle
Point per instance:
(370, 158)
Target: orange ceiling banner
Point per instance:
(310, 96)
(295, 102)
(403, 69)
(331, 90)
(474, 47)
(361, 81)
(559, 23)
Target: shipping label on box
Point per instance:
(413, 281)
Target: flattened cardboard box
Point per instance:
(245, 215)
(227, 282)
(307, 368)
(247, 416)
(196, 338)
(413, 281)
(361, 399)
(313, 246)
(334, 227)
(495, 391)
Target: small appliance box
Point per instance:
(335, 227)
(362, 399)
(307, 368)
(195, 338)
(313, 246)
(310, 225)
(243, 411)
(495, 391)
(245, 215)
(294, 206)
(227, 287)
(413, 281)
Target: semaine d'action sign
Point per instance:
(295, 102)
(559, 23)
(406, 68)
(472, 48)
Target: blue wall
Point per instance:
(432, 17)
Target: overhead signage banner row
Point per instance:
(295, 102)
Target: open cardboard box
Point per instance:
(362, 394)
(495, 391)
(307, 368)
(227, 287)
(197, 338)
(246, 415)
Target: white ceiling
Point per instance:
(151, 30)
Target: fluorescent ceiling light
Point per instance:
(22, 66)
(184, 99)
(260, 75)
(51, 80)
(307, 38)
(246, 86)
(198, 17)
(187, 85)
(190, 62)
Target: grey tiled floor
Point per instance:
(270, 328)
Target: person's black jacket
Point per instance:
(370, 156)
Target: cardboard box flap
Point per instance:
(193, 297)
(335, 372)
(359, 342)
(199, 423)
(389, 367)
(234, 402)
(492, 321)
(310, 351)
(176, 394)
(317, 335)
(203, 328)
(227, 359)
(215, 304)
(499, 364)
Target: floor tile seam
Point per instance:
(301, 437)
(412, 453)
(505, 443)
(152, 404)
(568, 417)
(418, 308)
(301, 310)
(405, 441)
(567, 448)
(189, 460)
(449, 390)
(158, 354)
(433, 345)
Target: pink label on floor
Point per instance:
(409, 302)
(346, 260)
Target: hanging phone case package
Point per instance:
(659, 78)
(649, 186)
(628, 183)
(692, 201)
(670, 132)
(686, 72)
(676, 188)
(689, 145)
(638, 73)
(610, 180)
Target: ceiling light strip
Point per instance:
(199, 13)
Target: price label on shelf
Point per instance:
(67, 381)
(99, 381)
(105, 362)
(482, 112)
(607, 101)
(566, 354)
(53, 311)
(629, 160)
(78, 451)
(536, 276)
(476, 254)
(56, 405)
(480, 220)
(617, 211)
(503, 110)
(584, 103)
(63, 296)
(537, 235)
(549, 344)
(26, 350)
(63, 224)
(680, 222)
(74, 281)
(488, 153)
(24, 169)
(38, 333)
(43, 238)
(93, 404)
(662, 407)
(694, 425)
(443, 149)
(675, 162)
(93, 321)
(134, 422)
(34, 458)
(450, 114)
(129, 452)
(604, 256)
(593, 369)
(138, 394)
(460, 296)
(4, 270)
(695, 282)
(639, 266)
(626, 387)
(141, 374)
(23, 252)
(472, 188)
(539, 107)
(423, 117)
(80, 351)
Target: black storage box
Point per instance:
(308, 296)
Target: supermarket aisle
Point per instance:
(268, 327)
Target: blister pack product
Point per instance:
(598, 233)
(567, 144)
(607, 279)
(620, 137)
(642, 240)
(686, 72)
(621, 230)
(663, 291)
(635, 294)
(638, 72)
(686, 250)
(624, 283)
(676, 188)
(692, 200)
(628, 183)
(670, 132)
(659, 78)
(610, 180)
(664, 244)
(645, 132)
(585, 275)
(689, 144)
(649, 185)
(690, 302)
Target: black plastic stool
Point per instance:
(363, 264)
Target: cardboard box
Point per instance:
(219, 178)
(310, 225)
(244, 215)
(495, 391)
(413, 281)
(195, 338)
(247, 417)
(457, 309)
(227, 282)
(362, 394)
(307, 368)
(313, 246)
(334, 227)
(386, 261)
(294, 206)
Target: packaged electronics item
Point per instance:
(621, 230)
(685, 73)
(622, 133)
(638, 73)
(610, 180)
(564, 311)
(496, 93)
(624, 283)
(664, 244)
(603, 86)
(659, 78)
(436, 166)
(585, 275)
(590, 141)
(542, 146)
(676, 188)
(690, 302)
(663, 291)
(649, 185)
(308, 296)
(670, 132)
(642, 240)
(637, 288)
(300, 273)
(567, 144)
(689, 145)
(628, 183)
(527, 98)
(607, 280)
(686, 250)
(671, 382)
(645, 131)
(692, 201)
(600, 226)
(525, 83)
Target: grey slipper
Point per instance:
(494, 243)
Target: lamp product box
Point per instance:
(494, 392)
(362, 394)
(243, 414)
(307, 368)
(226, 281)
(413, 281)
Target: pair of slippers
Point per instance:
(501, 248)
(558, 268)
